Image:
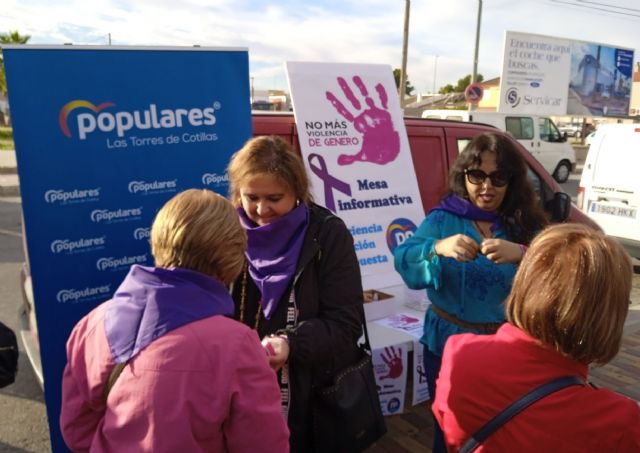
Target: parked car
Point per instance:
(609, 191)
(537, 134)
(435, 144)
(571, 129)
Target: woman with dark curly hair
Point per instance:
(466, 251)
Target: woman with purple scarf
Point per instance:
(466, 250)
(162, 367)
(301, 288)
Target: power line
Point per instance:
(593, 8)
(609, 6)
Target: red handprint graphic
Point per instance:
(380, 141)
(393, 360)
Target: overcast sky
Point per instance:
(364, 31)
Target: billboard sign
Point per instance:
(104, 137)
(555, 76)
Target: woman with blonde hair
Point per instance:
(566, 310)
(301, 290)
(191, 379)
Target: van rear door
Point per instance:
(612, 185)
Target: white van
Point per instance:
(538, 134)
(609, 191)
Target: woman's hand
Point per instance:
(277, 348)
(459, 247)
(500, 251)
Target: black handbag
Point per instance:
(8, 356)
(347, 417)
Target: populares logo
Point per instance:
(142, 233)
(89, 293)
(71, 196)
(119, 215)
(399, 231)
(144, 187)
(214, 179)
(114, 264)
(78, 246)
(122, 121)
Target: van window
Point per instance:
(520, 127)
(462, 144)
(548, 131)
(454, 117)
(534, 179)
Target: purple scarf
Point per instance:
(464, 208)
(153, 301)
(273, 252)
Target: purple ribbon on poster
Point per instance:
(330, 182)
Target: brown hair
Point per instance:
(520, 211)
(571, 292)
(199, 230)
(268, 155)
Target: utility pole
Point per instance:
(474, 76)
(475, 56)
(109, 38)
(405, 43)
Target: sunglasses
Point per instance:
(498, 178)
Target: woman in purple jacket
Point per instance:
(193, 379)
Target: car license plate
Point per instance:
(618, 211)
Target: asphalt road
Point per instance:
(23, 419)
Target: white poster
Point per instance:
(535, 74)
(420, 388)
(390, 368)
(355, 147)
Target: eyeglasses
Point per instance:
(498, 178)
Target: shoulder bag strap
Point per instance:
(516, 407)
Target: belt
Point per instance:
(484, 327)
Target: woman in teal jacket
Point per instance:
(466, 251)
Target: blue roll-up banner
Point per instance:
(104, 137)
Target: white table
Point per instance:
(381, 336)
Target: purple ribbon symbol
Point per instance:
(319, 168)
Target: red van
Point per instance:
(435, 144)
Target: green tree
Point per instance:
(13, 37)
(462, 85)
(447, 89)
(408, 89)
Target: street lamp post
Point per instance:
(435, 70)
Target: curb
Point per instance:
(9, 185)
(9, 191)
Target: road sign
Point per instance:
(473, 93)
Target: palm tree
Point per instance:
(13, 37)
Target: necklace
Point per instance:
(243, 301)
(481, 231)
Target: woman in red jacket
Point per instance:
(566, 310)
